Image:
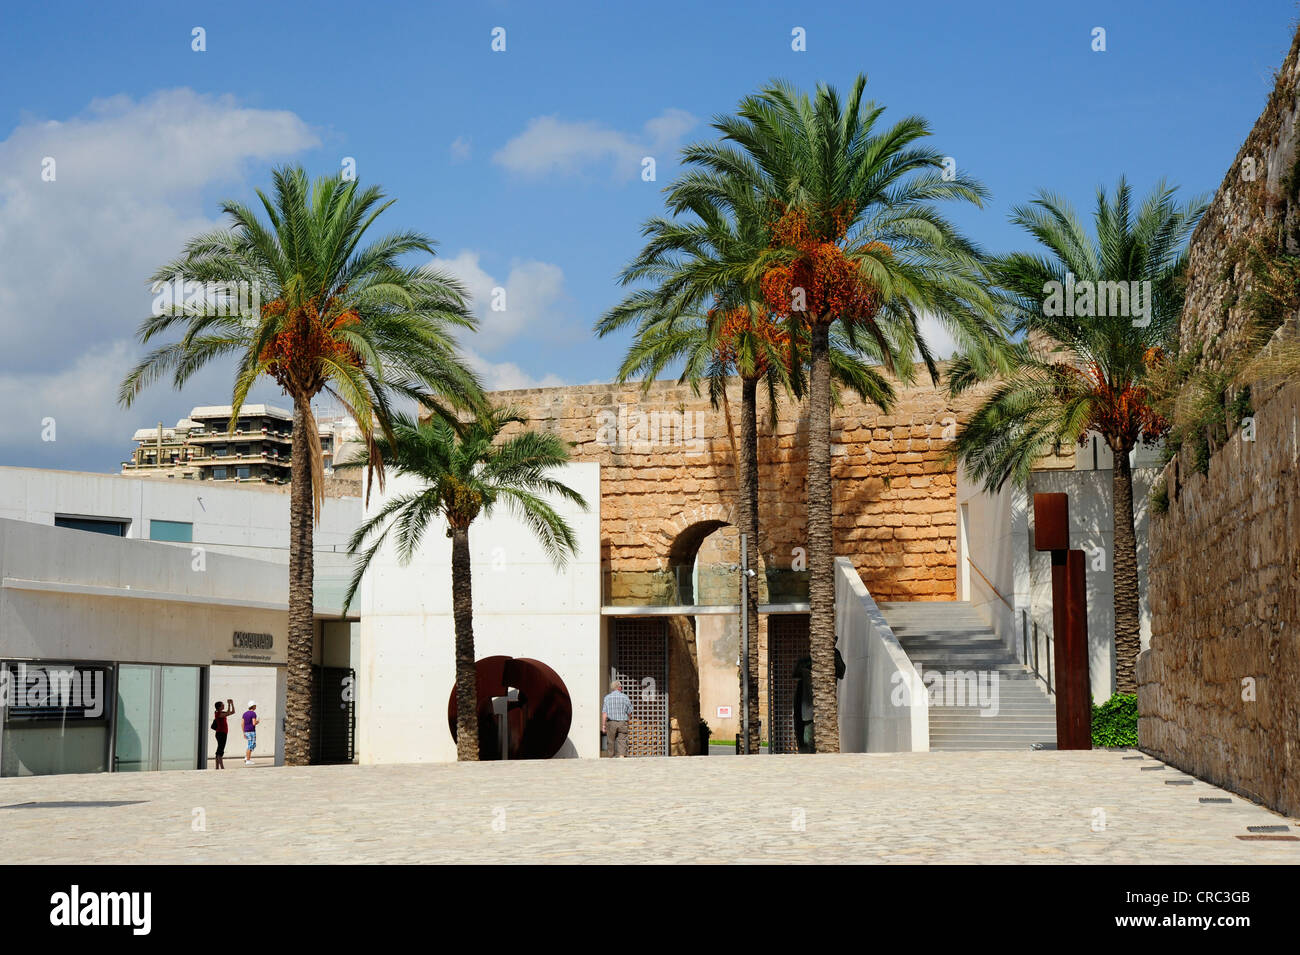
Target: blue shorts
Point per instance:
(251, 740)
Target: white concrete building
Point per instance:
(155, 585)
(1010, 583)
(130, 632)
(523, 607)
(249, 521)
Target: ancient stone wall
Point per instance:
(1219, 688)
(668, 478)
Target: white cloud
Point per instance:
(90, 430)
(131, 180)
(531, 291)
(940, 341)
(461, 148)
(551, 145)
(506, 375)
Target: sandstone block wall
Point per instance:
(1219, 688)
(668, 475)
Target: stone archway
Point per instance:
(703, 559)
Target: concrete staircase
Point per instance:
(950, 636)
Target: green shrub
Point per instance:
(1173, 443)
(1160, 497)
(1115, 722)
(1200, 452)
(1241, 407)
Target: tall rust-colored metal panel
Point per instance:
(1051, 522)
(1070, 621)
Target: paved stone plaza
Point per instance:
(910, 807)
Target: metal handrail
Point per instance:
(992, 587)
(1038, 670)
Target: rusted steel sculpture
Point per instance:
(1069, 621)
(537, 722)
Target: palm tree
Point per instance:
(744, 340)
(854, 243)
(1108, 307)
(700, 262)
(465, 470)
(746, 343)
(336, 317)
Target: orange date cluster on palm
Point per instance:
(768, 337)
(819, 282)
(308, 336)
(1121, 410)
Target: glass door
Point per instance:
(137, 716)
(157, 717)
(178, 730)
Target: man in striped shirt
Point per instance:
(615, 712)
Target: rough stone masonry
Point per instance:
(1219, 688)
(668, 477)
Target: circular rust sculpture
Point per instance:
(538, 721)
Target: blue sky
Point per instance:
(525, 164)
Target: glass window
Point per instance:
(171, 531)
(96, 525)
(243, 472)
(218, 474)
(58, 718)
(218, 450)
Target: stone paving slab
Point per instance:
(982, 807)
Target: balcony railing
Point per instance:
(206, 436)
(226, 460)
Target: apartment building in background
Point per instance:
(257, 449)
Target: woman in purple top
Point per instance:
(250, 731)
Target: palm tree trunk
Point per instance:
(748, 466)
(302, 622)
(821, 547)
(1128, 628)
(462, 608)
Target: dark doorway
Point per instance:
(333, 715)
(787, 644)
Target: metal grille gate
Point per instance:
(333, 711)
(787, 642)
(639, 659)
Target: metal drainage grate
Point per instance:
(1269, 838)
(1268, 828)
(1149, 768)
(1178, 782)
(1132, 757)
(1215, 799)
